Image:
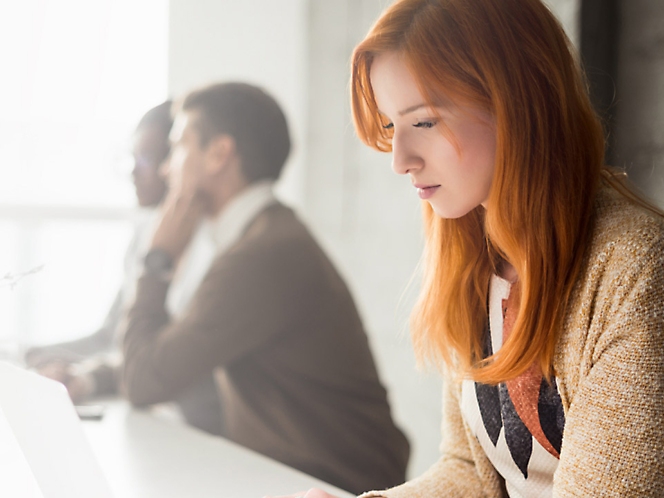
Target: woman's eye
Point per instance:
(425, 124)
(388, 126)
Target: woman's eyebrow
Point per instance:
(412, 108)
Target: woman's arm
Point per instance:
(613, 443)
(455, 475)
(458, 473)
(312, 493)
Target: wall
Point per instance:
(258, 41)
(368, 218)
(640, 95)
(567, 11)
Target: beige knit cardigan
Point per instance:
(609, 368)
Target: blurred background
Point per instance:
(78, 74)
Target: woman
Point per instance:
(544, 275)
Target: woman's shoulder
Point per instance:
(617, 299)
(624, 231)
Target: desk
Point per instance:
(144, 456)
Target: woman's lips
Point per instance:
(426, 192)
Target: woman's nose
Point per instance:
(404, 159)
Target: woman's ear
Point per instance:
(219, 154)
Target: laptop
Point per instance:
(43, 450)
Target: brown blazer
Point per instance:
(278, 327)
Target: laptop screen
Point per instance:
(42, 429)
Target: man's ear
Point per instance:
(219, 154)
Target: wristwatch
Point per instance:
(159, 263)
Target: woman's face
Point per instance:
(448, 151)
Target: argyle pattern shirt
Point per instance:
(519, 423)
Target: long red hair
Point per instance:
(511, 58)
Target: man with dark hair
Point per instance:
(248, 115)
(272, 319)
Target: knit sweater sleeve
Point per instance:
(456, 473)
(613, 443)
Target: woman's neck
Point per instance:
(508, 272)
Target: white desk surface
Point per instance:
(145, 456)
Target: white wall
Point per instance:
(568, 12)
(364, 215)
(368, 218)
(257, 41)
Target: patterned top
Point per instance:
(609, 366)
(519, 424)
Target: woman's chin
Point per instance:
(448, 212)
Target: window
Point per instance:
(77, 76)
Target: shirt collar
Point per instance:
(233, 220)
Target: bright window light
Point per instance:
(76, 77)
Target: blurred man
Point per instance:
(90, 366)
(149, 149)
(272, 319)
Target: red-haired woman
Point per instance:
(543, 296)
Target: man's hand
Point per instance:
(79, 386)
(181, 213)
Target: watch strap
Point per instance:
(159, 263)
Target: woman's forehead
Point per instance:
(393, 84)
(396, 88)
